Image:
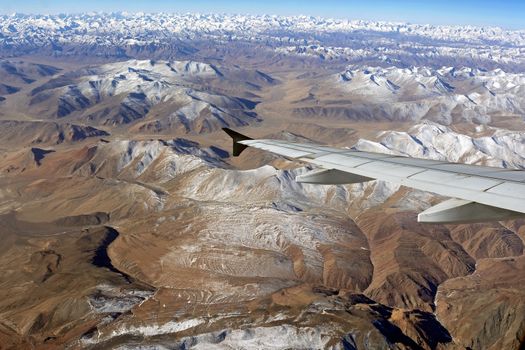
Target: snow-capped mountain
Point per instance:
(240, 26)
(168, 95)
(445, 95)
(492, 146)
(169, 35)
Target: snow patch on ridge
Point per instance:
(433, 141)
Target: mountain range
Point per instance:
(177, 36)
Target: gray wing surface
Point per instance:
(479, 193)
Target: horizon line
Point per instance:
(123, 12)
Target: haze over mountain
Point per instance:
(126, 224)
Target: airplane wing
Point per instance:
(479, 193)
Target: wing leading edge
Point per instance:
(478, 193)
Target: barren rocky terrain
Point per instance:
(125, 223)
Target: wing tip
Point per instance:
(236, 137)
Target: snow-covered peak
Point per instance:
(154, 79)
(161, 68)
(184, 89)
(155, 159)
(444, 94)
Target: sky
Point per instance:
(509, 14)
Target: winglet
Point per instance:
(237, 147)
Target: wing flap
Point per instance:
(459, 211)
(331, 177)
